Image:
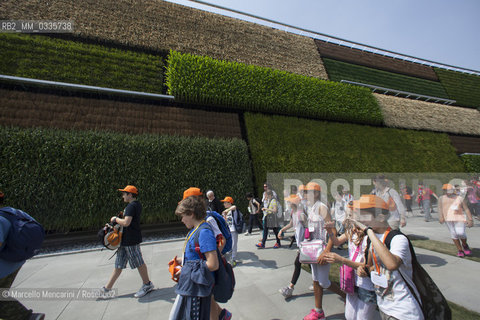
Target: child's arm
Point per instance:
(469, 215)
(441, 219)
(212, 260)
(258, 206)
(332, 257)
(391, 261)
(288, 226)
(337, 241)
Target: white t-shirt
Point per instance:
(230, 223)
(362, 282)
(213, 223)
(396, 300)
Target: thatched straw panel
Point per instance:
(415, 114)
(27, 109)
(160, 25)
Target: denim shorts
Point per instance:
(132, 254)
(366, 296)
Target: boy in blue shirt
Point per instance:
(11, 309)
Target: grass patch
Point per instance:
(441, 247)
(459, 312)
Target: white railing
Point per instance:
(396, 93)
(84, 88)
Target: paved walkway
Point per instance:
(259, 276)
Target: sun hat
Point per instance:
(313, 186)
(227, 199)
(130, 189)
(369, 201)
(192, 191)
(293, 198)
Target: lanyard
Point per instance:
(190, 235)
(373, 253)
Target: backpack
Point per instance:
(111, 236)
(25, 237)
(279, 209)
(238, 222)
(223, 226)
(432, 302)
(224, 276)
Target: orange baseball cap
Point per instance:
(447, 186)
(313, 186)
(293, 198)
(301, 187)
(193, 191)
(368, 201)
(130, 189)
(227, 199)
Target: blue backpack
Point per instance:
(223, 226)
(224, 276)
(25, 237)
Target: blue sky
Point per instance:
(445, 31)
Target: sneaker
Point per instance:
(311, 288)
(105, 293)
(260, 246)
(227, 315)
(37, 316)
(460, 254)
(314, 315)
(233, 263)
(247, 233)
(276, 246)
(466, 250)
(286, 292)
(146, 288)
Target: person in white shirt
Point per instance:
(390, 268)
(393, 200)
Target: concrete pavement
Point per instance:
(259, 276)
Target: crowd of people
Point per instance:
(378, 253)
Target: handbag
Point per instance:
(347, 276)
(310, 251)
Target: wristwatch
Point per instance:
(365, 232)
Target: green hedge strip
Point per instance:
(204, 80)
(462, 87)
(45, 58)
(338, 70)
(472, 162)
(289, 144)
(68, 180)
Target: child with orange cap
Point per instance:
(298, 221)
(452, 210)
(318, 215)
(235, 222)
(391, 261)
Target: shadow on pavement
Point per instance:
(251, 259)
(166, 294)
(432, 260)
